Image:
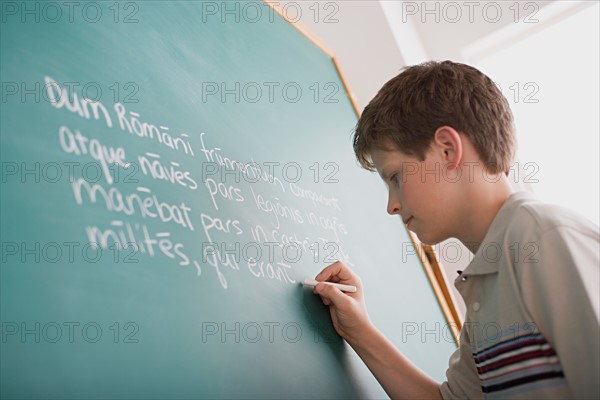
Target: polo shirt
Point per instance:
(532, 326)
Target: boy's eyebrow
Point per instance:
(384, 174)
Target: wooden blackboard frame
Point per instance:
(426, 253)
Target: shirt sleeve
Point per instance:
(462, 379)
(559, 283)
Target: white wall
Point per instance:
(359, 35)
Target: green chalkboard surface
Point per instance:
(170, 174)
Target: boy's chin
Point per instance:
(430, 240)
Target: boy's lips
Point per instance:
(407, 220)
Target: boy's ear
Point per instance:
(448, 143)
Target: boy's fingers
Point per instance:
(337, 270)
(331, 293)
(325, 273)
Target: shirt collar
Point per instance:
(488, 255)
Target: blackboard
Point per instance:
(170, 173)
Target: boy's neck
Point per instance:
(485, 200)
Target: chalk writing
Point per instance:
(269, 253)
(79, 144)
(150, 164)
(145, 204)
(59, 98)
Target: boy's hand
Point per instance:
(348, 310)
(398, 376)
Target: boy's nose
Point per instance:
(393, 206)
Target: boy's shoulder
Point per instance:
(549, 263)
(527, 230)
(523, 215)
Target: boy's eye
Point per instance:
(394, 179)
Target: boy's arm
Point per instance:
(396, 374)
(560, 290)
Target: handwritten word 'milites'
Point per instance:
(59, 98)
(133, 125)
(125, 234)
(146, 206)
(79, 144)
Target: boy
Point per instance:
(532, 323)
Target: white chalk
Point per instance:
(345, 288)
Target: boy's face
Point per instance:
(417, 192)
